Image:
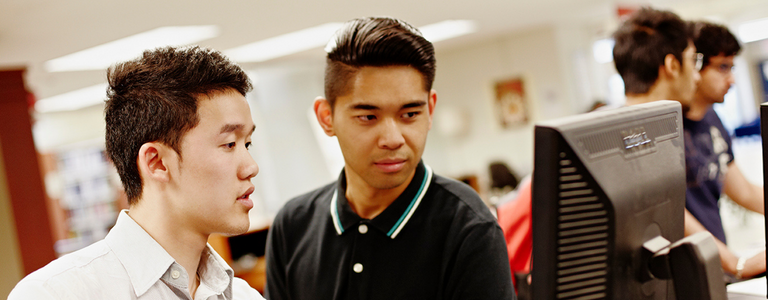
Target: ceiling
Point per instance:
(34, 31)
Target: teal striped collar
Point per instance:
(404, 217)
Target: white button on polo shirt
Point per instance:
(362, 228)
(358, 268)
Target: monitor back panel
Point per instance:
(603, 184)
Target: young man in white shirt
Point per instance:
(178, 128)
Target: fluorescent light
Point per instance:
(73, 100)
(602, 50)
(754, 30)
(286, 44)
(319, 36)
(447, 29)
(102, 56)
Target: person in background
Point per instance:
(501, 176)
(656, 57)
(709, 160)
(388, 228)
(178, 128)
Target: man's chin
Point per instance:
(386, 185)
(237, 229)
(389, 181)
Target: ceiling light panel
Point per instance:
(103, 56)
(283, 45)
(447, 29)
(753, 31)
(73, 100)
(319, 36)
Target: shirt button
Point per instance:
(175, 274)
(358, 268)
(362, 228)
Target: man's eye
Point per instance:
(367, 118)
(409, 115)
(726, 68)
(248, 145)
(230, 145)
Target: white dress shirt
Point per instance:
(129, 264)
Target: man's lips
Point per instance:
(390, 165)
(244, 198)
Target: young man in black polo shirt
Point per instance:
(388, 228)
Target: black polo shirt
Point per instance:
(437, 240)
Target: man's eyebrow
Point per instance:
(418, 103)
(234, 127)
(227, 128)
(364, 106)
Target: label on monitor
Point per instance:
(636, 141)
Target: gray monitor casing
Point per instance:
(603, 184)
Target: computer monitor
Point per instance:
(764, 136)
(604, 184)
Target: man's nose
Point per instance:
(249, 169)
(391, 136)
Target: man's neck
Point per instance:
(698, 109)
(660, 90)
(178, 239)
(367, 201)
(634, 99)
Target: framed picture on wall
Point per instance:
(511, 105)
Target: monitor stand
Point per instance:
(692, 263)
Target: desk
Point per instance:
(748, 289)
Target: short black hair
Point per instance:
(154, 98)
(643, 41)
(375, 42)
(713, 40)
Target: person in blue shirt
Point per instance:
(656, 55)
(709, 160)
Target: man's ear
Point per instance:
(324, 115)
(672, 65)
(152, 162)
(431, 105)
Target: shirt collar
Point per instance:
(146, 261)
(215, 274)
(392, 220)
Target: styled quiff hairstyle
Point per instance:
(375, 42)
(643, 41)
(713, 40)
(154, 99)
